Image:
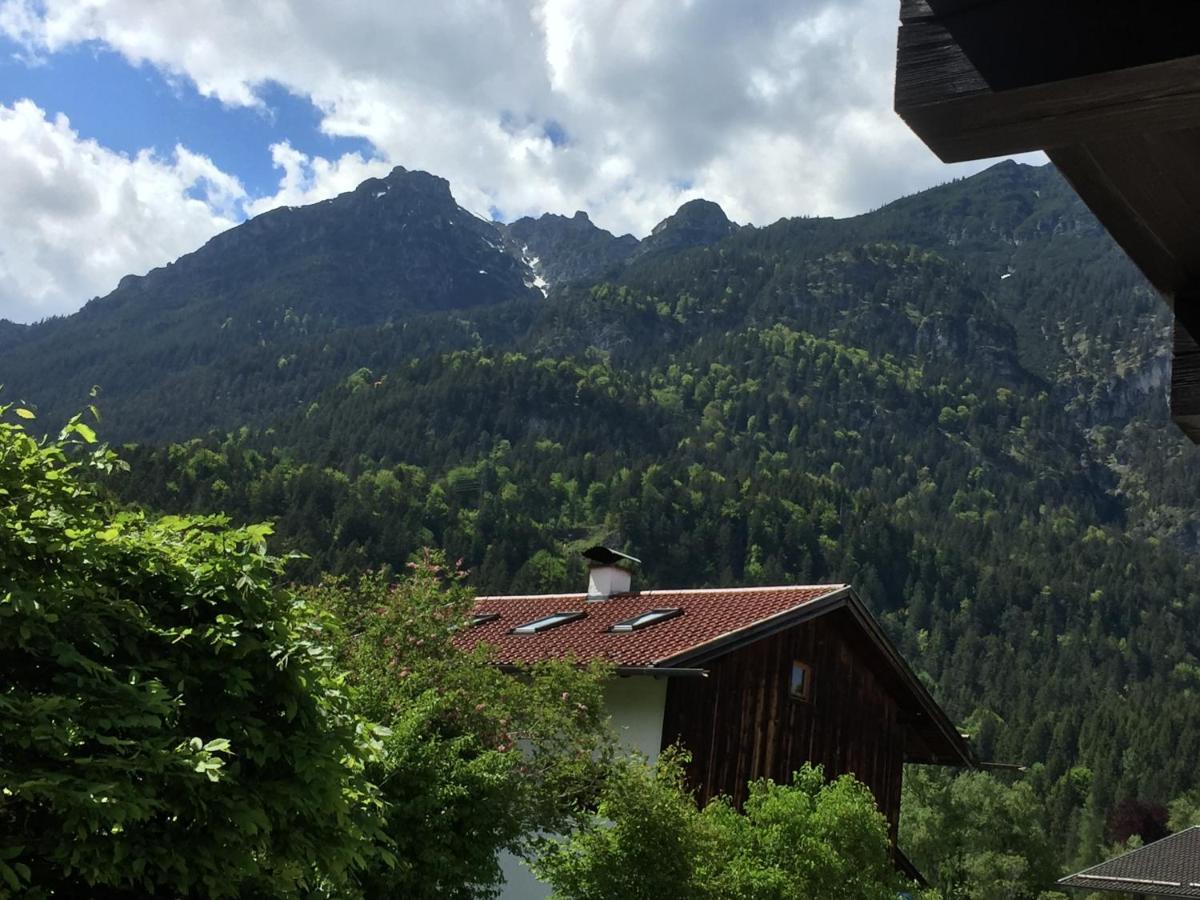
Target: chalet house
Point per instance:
(754, 682)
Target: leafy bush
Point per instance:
(649, 841)
(476, 760)
(976, 837)
(169, 721)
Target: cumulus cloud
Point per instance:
(76, 217)
(625, 108)
(306, 179)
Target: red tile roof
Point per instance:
(708, 615)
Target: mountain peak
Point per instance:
(698, 213)
(408, 182)
(696, 223)
(561, 249)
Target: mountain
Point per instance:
(256, 321)
(393, 246)
(697, 223)
(562, 250)
(11, 333)
(957, 400)
(202, 334)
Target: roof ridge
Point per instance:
(528, 596)
(661, 591)
(744, 590)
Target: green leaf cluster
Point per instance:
(170, 721)
(472, 760)
(648, 841)
(976, 837)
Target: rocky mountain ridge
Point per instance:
(257, 321)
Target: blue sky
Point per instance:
(131, 132)
(129, 107)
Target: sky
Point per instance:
(131, 132)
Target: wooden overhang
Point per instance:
(1110, 89)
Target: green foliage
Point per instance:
(169, 720)
(1185, 811)
(648, 841)
(474, 760)
(807, 839)
(975, 837)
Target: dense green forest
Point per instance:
(956, 402)
(177, 722)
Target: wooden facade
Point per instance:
(1110, 90)
(741, 722)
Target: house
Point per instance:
(1110, 90)
(1167, 868)
(753, 682)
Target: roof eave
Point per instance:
(959, 747)
(625, 671)
(756, 631)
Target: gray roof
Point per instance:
(1166, 868)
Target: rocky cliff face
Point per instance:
(392, 246)
(697, 223)
(562, 249)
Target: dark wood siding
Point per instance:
(740, 723)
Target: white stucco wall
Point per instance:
(636, 706)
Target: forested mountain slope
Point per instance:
(957, 400)
(213, 324)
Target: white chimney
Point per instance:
(605, 576)
(604, 581)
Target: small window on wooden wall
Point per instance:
(800, 684)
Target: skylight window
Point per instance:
(537, 626)
(646, 619)
(483, 618)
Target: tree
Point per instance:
(648, 841)
(1146, 820)
(1185, 811)
(975, 837)
(170, 723)
(476, 760)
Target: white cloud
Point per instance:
(75, 217)
(770, 107)
(306, 180)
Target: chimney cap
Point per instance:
(606, 556)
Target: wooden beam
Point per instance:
(1141, 204)
(1185, 373)
(922, 10)
(976, 78)
(1144, 190)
